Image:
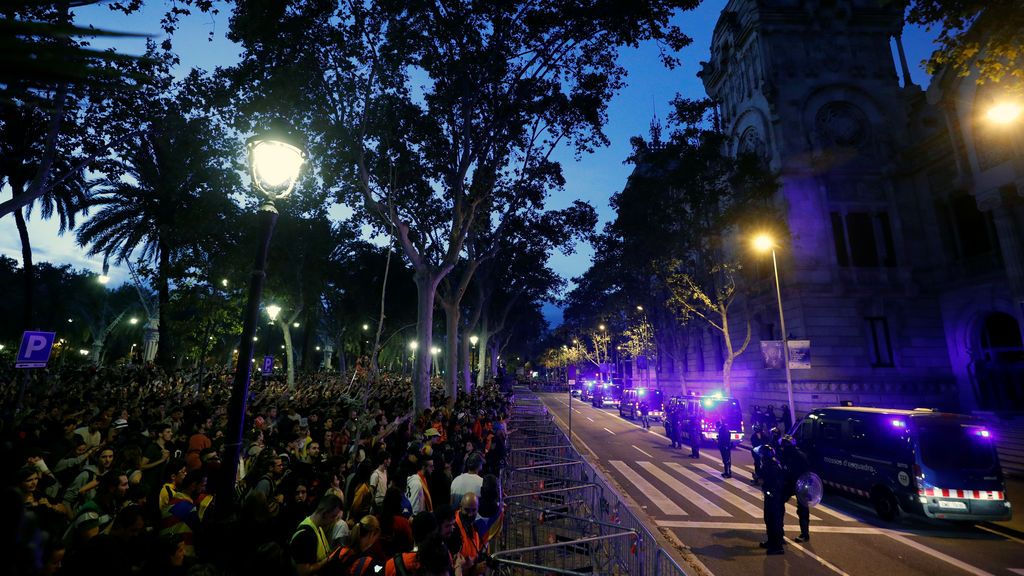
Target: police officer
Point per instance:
(695, 437)
(645, 414)
(725, 448)
(669, 423)
(757, 439)
(774, 501)
(795, 464)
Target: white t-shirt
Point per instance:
(464, 484)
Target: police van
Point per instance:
(919, 461)
(633, 398)
(707, 410)
(606, 393)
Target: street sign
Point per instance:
(268, 365)
(35, 349)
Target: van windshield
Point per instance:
(727, 409)
(954, 445)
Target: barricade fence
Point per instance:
(560, 516)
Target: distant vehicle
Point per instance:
(632, 398)
(606, 394)
(708, 410)
(575, 392)
(939, 465)
(587, 390)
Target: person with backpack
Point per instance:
(355, 559)
(310, 544)
(424, 526)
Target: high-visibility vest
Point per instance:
(322, 546)
(471, 547)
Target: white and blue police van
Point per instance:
(940, 465)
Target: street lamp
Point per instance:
(224, 282)
(366, 327)
(1005, 113)
(133, 321)
(295, 324)
(275, 159)
(272, 311)
(763, 243)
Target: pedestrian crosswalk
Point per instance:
(696, 489)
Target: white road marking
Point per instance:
(662, 502)
(756, 493)
(609, 431)
(1017, 571)
(1007, 536)
(936, 554)
(716, 489)
(790, 507)
(863, 530)
(820, 560)
(577, 411)
(707, 506)
(642, 452)
(589, 418)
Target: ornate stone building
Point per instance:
(904, 269)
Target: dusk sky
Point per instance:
(594, 177)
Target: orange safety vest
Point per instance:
(471, 547)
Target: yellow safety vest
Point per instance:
(322, 546)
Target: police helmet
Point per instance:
(757, 428)
(766, 451)
(787, 441)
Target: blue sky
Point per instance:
(594, 177)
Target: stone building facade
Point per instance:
(904, 268)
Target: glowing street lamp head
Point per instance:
(275, 159)
(273, 310)
(414, 345)
(1005, 113)
(104, 279)
(601, 327)
(366, 327)
(639, 308)
(224, 282)
(763, 243)
(133, 321)
(435, 350)
(295, 324)
(474, 339)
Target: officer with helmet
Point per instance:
(757, 439)
(773, 487)
(795, 464)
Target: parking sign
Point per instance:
(35, 349)
(268, 365)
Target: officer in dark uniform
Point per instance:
(774, 501)
(725, 448)
(695, 437)
(795, 464)
(757, 438)
(645, 414)
(671, 416)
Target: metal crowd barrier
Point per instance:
(560, 516)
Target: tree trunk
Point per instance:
(289, 353)
(481, 361)
(309, 353)
(426, 287)
(451, 359)
(464, 362)
(163, 351)
(27, 268)
(729, 357)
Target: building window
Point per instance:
(881, 346)
(863, 239)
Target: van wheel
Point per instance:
(885, 504)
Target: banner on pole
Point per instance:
(799, 354)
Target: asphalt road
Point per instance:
(720, 519)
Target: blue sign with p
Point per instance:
(268, 365)
(35, 349)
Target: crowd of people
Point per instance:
(112, 471)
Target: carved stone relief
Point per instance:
(842, 124)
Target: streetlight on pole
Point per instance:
(275, 159)
(763, 243)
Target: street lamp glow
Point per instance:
(224, 282)
(366, 327)
(601, 327)
(474, 339)
(275, 166)
(414, 345)
(255, 339)
(639, 308)
(435, 350)
(295, 324)
(317, 348)
(273, 310)
(133, 320)
(83, 352)
(70, 321)
(763, 243)
(1005, 113)
(104, 279)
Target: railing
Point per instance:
(560, 516)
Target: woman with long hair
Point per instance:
(395, 530)
(355, 559)
(361, 495)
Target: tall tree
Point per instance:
(416, 108)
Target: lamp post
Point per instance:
(764, 243)
(275, 160)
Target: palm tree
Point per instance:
(22, 142)
(171, 191)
